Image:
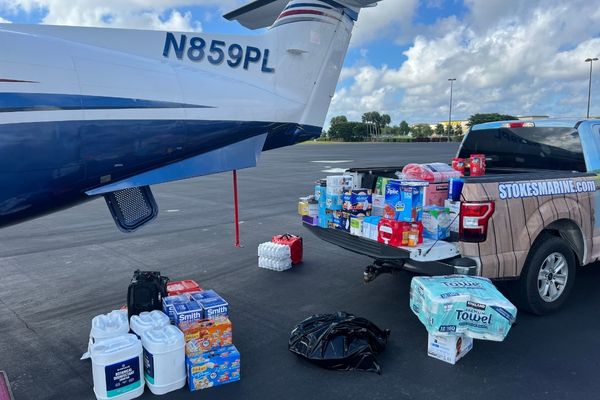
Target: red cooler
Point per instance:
(180, 287)
(295, 243)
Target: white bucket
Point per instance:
(164, 359)
(117, 368)
(148, 320)
(105, 326)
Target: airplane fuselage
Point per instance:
(80, 117)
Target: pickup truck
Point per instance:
(531, 218)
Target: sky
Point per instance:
(512, 57)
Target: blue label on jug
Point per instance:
(149, 366)
(122, 377)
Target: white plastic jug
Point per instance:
(148, 320)
(105, 326)
(117, 368)
(164, 359)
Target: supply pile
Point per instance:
(280, 253)
(404, 209)
(456, 309)
(179, 333)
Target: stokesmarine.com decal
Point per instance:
(516, 190)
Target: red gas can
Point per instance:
(295, 243)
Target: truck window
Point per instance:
(536, 148)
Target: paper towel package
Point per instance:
(461, 305)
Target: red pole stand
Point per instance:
(236, 210)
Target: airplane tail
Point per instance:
(311, 38)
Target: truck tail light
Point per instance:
(474, 217)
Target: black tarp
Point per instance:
(339, 341)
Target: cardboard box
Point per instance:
(436, 222)
(357, 200)
(309, 208)
(356, 225)
(378, 200)
(371, 231)
(436, 194)
(213, 368)
(377, 211)
(212, 304)
(187, 313)
(356, 179)
(325, 218)
(454, 208)
(207, 335)
(449, 349)
(340, 180)
(169, 304)
(381, 184)
(314, 221)
(404, 200)
(321, 195)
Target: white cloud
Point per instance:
(151, 14)
(527, 58)
(4, 21)
(389, 17)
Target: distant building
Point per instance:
(455, 124)
(531, 117)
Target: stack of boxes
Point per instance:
(399, 212)
(211, 357)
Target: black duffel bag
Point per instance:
(146, 291)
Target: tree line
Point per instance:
(377, 127)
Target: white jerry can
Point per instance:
(117, 368)
(106, 326)
(148, 320)
(164, 359)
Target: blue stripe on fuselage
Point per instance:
(308, 5)
(12, 102)
(349, 12)
(47, 166)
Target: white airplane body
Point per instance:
(94, 111)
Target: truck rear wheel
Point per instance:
(548, 276)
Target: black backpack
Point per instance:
(146, 291)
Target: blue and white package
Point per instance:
(461, 305)
(321, 195)
(333, 201)
(212, 304)
(170, 301)
(186, 313)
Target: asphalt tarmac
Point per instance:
(58, 272)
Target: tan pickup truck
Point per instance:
(531, 218)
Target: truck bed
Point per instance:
(430, 257)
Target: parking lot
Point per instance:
(59, 271)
